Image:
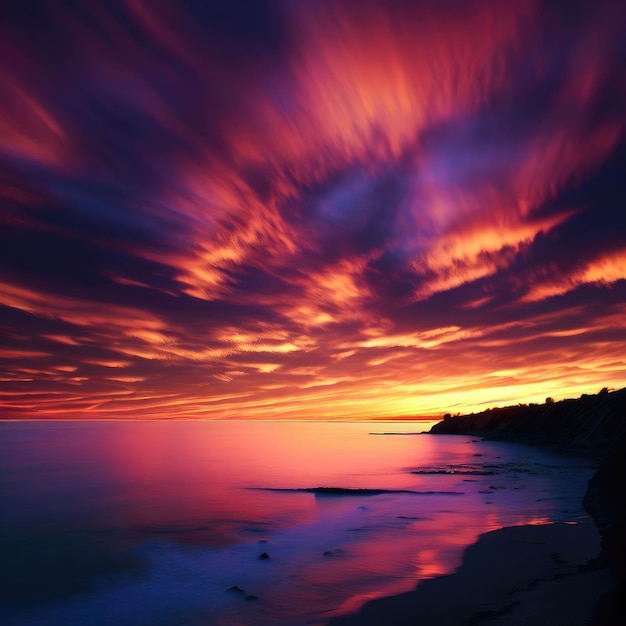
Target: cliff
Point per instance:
(591, 421)
(595, 423)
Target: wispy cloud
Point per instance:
(330, 209)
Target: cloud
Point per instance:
(320, 209)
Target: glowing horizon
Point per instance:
(330, 210)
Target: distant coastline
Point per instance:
(592, 425)
(589, 422)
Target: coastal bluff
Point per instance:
(593, 424)
(589, 422)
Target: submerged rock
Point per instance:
(357, 491)
(333, 554)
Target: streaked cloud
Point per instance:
(318, 210)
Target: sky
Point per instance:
(309, 208)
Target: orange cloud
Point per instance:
(391, 209)
(606, 269)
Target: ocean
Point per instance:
(245, 523)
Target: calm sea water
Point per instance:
(153, 522)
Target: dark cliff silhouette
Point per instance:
(593, 423)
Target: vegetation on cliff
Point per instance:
(592, 422)
(588, 421)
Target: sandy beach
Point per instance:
(515, 576)
(569, 574)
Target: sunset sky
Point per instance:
(309, 209)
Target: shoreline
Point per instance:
(497, 583)
(530, 574)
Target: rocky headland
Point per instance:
(591, 422)
(593, 425)
(560, 574)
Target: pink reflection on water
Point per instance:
(199, 495)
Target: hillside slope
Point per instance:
(594, 423)
(589, 421)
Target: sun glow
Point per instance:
(374, 210)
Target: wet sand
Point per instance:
(534, 575)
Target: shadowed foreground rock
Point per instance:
(605, 501)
